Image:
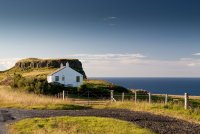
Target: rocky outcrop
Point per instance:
(31, 63)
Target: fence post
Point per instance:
(166, 98)
(63, 95)
(123, 97)
(135, 96)
(149, 98)
(186, 100)
(111, 95)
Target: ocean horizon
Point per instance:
(158, 85)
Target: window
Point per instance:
(77, 78)
(63, 78)
(57, 78)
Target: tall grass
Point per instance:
(17, 99)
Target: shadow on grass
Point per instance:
(60, 107)
(47, 107)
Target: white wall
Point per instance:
(49, 79)
(70, 77)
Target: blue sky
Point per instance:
(111, 37)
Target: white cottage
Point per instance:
(66, 76)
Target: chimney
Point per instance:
(67, 64)
(61, 65)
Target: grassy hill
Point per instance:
(6, 77)
(30, 75)
(38, 68)
(36, 72)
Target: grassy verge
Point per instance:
(16, 99)
(172, 110)
(76, 125)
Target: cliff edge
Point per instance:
(33, 63)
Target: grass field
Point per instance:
(38, 72)
(16, 99)
(27, 73)
(76, 125)
(172, 110)
(97, 82)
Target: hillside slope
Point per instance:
(33, 67)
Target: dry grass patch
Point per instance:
(17, 99)
(33, 73)
(97, 82)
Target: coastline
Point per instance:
(156, 85)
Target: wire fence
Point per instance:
(137, 96)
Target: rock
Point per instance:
(32, 63)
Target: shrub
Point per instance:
(100, 90)
(36, 85)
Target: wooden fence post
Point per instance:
(186, 100)
(166, 98)
(63, 95)
(111, 95)
(135, 96)
(123, 97)
(149, 98)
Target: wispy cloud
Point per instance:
(196, 54)
(112, 20)
(120, 58)
(190, 62)
(129, 64)
(136, 65)
(109, 55)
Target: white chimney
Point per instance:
(61, 65)
(67, 64)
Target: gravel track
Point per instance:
(157, 123)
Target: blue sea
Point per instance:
(176, 86)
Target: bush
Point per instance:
(36, 85)
(41, 86)
(120, 89)
(100, 90)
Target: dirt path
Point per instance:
(159, 124)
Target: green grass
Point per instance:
(59, 107)
(76, 125)
(97, 82)
(46, 107)
(31, 73)
(195, 103)
(171, 109)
